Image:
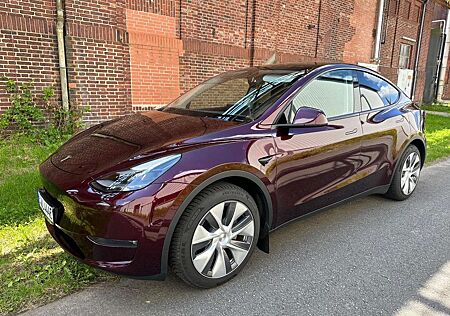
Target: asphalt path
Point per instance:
(371, 256)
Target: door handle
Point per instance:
(400, 120)
(353, 131)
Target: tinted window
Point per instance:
(376, 92)
(236, 96)
(331, 92)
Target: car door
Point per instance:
(385, 129)
(316, 166)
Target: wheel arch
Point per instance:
(244, 179)
(420, 144)
(417, 141)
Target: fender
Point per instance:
(406, 145)
(264, 240)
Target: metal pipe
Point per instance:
(246, 24)
(419, 45)
(394, 42)
(442, 26)
(252, 34)
(444, 63)
(377, 52)
(318, 29)
(62, 53)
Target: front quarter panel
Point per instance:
(204, 166)
(199, 165)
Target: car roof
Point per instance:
(308, 65)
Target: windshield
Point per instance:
(239, 96)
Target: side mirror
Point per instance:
(307, 117)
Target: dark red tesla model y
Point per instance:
(198, 184)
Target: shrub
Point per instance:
(38, 117)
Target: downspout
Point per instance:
(246, 24)
(318, 29)
(444, 64)
(419, 46)
(377, 51)
(394, 42)
(252, 34)
(62, 53)
(443, 27)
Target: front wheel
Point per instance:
(406, 175)
(215, 236)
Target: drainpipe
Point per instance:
(318, 29)
(442, 27)
(445, 55)
(62, 53)
(419, 46)
(252, 34)
(377, 52)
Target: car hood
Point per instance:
(103, 146)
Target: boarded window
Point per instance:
(405, 56)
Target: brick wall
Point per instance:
(403, 24)
(218, 36)
(360, 47)
(154, 58)
(98, 58)
(446, 90)
(228, 93)
(129, 55)
(28, 50)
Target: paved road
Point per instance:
(368, 257)
(446, 114)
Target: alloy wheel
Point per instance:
(410, 173)
(222, 239)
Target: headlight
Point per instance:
(137, 177)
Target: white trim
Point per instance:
(444, 66)
(377, 52)
(409, 39)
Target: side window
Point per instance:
(376, 92)
(332, 92)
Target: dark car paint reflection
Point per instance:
(293, 170)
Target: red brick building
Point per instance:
(130, 55)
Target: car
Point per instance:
(197, 185)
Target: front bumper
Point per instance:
(122, 233)
(127, 261)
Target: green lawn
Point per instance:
(34, 270)
(438, 137)
(437, 107)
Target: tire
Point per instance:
(399, 189)
(198, 236)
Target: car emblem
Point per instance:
(66, 158)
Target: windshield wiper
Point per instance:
(219, 114)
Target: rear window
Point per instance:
(376, 92)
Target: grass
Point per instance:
(438, 107)
(34, 269)
(438, 137)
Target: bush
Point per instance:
(38, 117)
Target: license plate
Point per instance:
(46, 208)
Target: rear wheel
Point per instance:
(215, 236)
(406, 175)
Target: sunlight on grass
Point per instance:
(438, 137)
(34, 269)
(437, 107)
(13, 237)
(38, 272)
